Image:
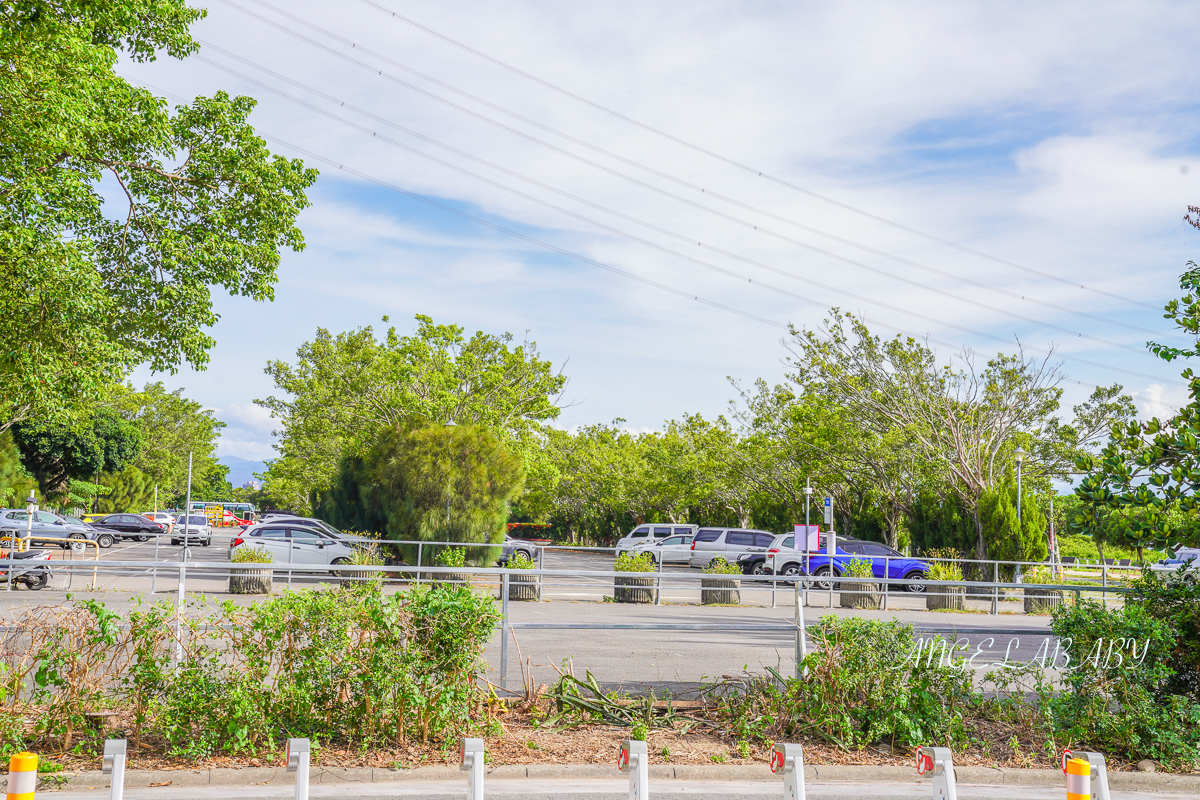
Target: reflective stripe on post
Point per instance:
(297, 762)
(114, 765)
(1098, 769)
(635, 759)
(787, 761)
(938, 763)
(1079, 779)
(470, 761)
(22, 776)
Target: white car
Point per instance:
(672, 550)
(643, 535)
(162, 518)
(192, 528)
(294, 544)
(1186, 561)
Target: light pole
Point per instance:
(1019, 456)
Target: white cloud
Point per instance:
(249, 416)
(1159, 401)
(249, 450)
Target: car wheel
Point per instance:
(77, 542)
(104, 540)
(340, 573)
(916, 582)
(206, 542)
(141, 538)
(174, 541)
(760, 568)
(823, 582)
(791, 570)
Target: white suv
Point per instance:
(710, 544)
(644, 535)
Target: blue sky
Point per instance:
(1058, 137)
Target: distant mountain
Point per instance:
(241, 470)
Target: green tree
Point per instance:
(90, 289)
(1149, 468)
(345, 389)
(172, 426)
(129, 490)
(15, 481)
(428, 483)
(211, 483)
(56, 454)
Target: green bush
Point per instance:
(345, 665)
(944, 570)
(519, 561)
(634, 562)
(719, 566)
(858, 568)
(451, 557)
(251, 555)
(862, 687)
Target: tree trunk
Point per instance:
(1141, 558)
(980, 547)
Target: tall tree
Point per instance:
(345, 389)
(55, 454)
(88, 288)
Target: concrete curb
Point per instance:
(819, 773)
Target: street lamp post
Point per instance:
(1019, 456)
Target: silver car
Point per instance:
(45, 525)
(290, 542)
(710, 544)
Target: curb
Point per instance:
(818, 773)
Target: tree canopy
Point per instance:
(92, 288)
(56, 453)
(344, 390)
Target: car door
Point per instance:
(274, 540)
(308, 546)
(50, 526)
(674, 549)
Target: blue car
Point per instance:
(787, 561)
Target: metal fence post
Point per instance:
(787, 761)
(634, 759)
(504, 629)
(801, 642)
(114, 765)
(418, 563)
(887, 580)
(658, 582)
(939, 761)
(180, 596)
(470, 761)
(1104, 582)
(996, 589)
(541, 565)
(297, 762)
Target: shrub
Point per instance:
(451, 557)
(858, 568)
(719, 566)
(251, 555)
(1039, 575)
(634, 562)
(519, 561)
(944, 570)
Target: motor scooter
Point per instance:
(32, 568)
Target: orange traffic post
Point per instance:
(22, 776)
(1079, 779)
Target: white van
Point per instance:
(645, 534)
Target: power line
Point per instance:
(839, 98)
(652, 170)
(654, 245)
(636, 220)
(568, 253)
(731, 161)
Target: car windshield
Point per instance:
(74, 520)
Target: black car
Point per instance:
(130, 526)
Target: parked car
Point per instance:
(643, 534)
(192, 528)
(1186, 561)
(306, 522)
(290, 543)
(671, 550)
(162, 518)
(15, 522)
(709, 544)
(130, 526)
(103, 539)
(784, 559)
(513, 546)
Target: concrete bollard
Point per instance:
(297, 762)
(1097, 785)
(114, 765)
(938, 762)
(470, 761)
(22, 776)
(635, 759)
(787, 761)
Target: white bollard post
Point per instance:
(635, 760)
(297, 762)
(787, 760)
(114, 765)
(470, 761)
(1098, 783)
(940, 762)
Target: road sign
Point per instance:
(829, 511)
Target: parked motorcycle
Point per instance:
(32, 568)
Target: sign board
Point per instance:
(808, 539)
(829, 511)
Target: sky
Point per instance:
(653, 191)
